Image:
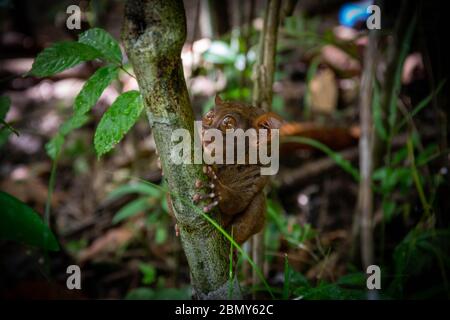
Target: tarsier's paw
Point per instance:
(207, 190)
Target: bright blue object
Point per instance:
(352, 13)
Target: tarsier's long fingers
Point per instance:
(208, 170)
(211, 194)
(177, 230)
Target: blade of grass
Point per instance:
(422, 104)
(286, 284)
(340, 161)
(416, 178)
(230, 272)
(392, 106)
(377, 116)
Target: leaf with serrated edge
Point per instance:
(103, 42)
(61, 56)
(117, 120)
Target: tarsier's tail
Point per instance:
(336, 138)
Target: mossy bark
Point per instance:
(153, 34)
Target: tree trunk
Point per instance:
(263, 75)
(153, 33)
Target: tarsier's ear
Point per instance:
(268, 121)
(218, 100)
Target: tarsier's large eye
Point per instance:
(209, 118)
(228, 122)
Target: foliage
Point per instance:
(61, 56)
(102, 41)
(159, 294)
(295, 234)
(117, 120)
(151, 200)
(416, 255)
(93, 44)
(6, 128)
(18, 222)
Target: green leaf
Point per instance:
(93, 88)
(73, 123)
(428, 153)
(161, 235)
(159, 294)
(5, 102)
(131, 209)
(4, 135)
(399, 156)
(103, 42)
(378, 113)
(117, 120)
(18, 222)
(414, 255)
(353, 280)
(389, 208)
(287, 278)
(141, 294)
(62, 56)
(134, 188)
(53, 147)
(183, 293)
(329, 291)
(149, 273)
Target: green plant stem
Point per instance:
(9, 127)
(48, 206)
(126, 71)
(416, 178)
(230, 271)
(51, 187)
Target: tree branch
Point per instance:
(265, 66)
(365, 197)
(262, 97)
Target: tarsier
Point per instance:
(236, 189)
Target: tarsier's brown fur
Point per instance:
(237, 189)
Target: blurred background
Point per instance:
(116, 227)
